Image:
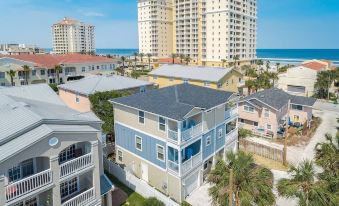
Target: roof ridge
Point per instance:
(95, 86)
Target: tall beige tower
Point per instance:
(205, 30)
(72, 36)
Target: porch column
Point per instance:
(179, 132)
(214, 161)
(224, 154)
(54, 165)
(200, 177)
(109, 198)
(96, 171)
(179, 161)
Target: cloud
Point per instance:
(93, 13)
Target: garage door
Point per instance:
(297, 89)
(191, 183)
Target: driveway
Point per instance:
(200, 197)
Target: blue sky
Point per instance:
(282, 23)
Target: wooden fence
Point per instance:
(262, 150)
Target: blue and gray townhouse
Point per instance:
(172, 137)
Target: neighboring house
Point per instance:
(50, 154)
(212, 77)
(300, 80)
(264, 112)
(41, 67)
(76, 93)
(171, 137)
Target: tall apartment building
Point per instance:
(172, 137)
(72, 36)
(206, 30)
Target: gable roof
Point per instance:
(277, 98)
(176, 101)
(209, 74)
(315, 65)
(103, 83)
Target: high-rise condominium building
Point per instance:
(72, 36)
(205, 30)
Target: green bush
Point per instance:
(54, 87)
(184, 203)
(152, 201)
(243, 133)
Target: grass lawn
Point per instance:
(134, 199)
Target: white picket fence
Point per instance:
(136, 184)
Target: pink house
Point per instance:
(264, 113)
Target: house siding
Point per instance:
(207, 150)
(125, 138)
(220, 142)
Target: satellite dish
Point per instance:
(53, 141)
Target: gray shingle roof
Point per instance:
(97, 83)
(176, 101)
(209, 74)
(277, 98)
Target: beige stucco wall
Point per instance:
(84, 105)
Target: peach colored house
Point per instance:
(264, 113)
(76, 93)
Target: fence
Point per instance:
(136, 184)
(266, 151)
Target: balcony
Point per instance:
(230, 113)
(85, 198)
(191, 163)
(27, 185)
(76, 165)
(191, 132)
(231, 136)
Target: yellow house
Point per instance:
(212, 77)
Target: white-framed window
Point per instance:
(138, 143)
(248, 109)
(83, 69)
(208, 140)
(296, 107)
(220, 133)
(77, 98)
(255, 124)
(120, 155)
(266, 112)
(141, 117)
(142, 89)
(185, 81)
(206, 84)
(67, 154)
(33, 72)
(30, 202)
(160, 153)
(268, 126)
(14, 173)
(241, 120)
(219, 85)
(68, 188)
(205, 165)
(162, 124)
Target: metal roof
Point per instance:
(176, 101)
(105, 185)
(209, 74)
(98, 83)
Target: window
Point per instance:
(206, 84)
(141, 117)
(67, 154)
(219, 85)
(185, 81)
(296, 107)
(42, 72)
(69, 187)
(269, 127)
(208, 140)
(241, 120)
(205, 165)
(83, 69)
(142, 89)
(120, 155)
(248, 108)
(296, 118)
(220, 133)
(77, 99)
(138, 143)
(2, 75)
(255, 124)
(162, 124)
(160, 153)
(171, 79)
(33, 72)
(266, 112)
(14, 174)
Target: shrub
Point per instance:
(54, 87)
(243, 133)
(152, 201)
(184, 203)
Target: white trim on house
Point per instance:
(136, 144)
(156, 152)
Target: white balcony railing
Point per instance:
(231, 113)
(231, 136)
(27, 185)
(192, 132)
(173, 135)
(191, 163)
(75, 165)
(83, 199)
(173, 166)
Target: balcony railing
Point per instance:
(27, 185)
(82, 199)
(75, 165)
(191, 163)
(173, 135)
(231, 113)
(192, 132)
(231, 136)
(173, 166)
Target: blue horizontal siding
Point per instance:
(125, 138)
(208, 150)
(220, 142)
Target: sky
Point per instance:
(291, 24)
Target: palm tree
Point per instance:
(323, 84)
(149, 61)
(273, 76)
(142, 57)
(236, 59)
(251, 85)
(223, 62)
(173, 57)
(268, 63)
(182, 57)
(260, 63)
(187, 59)
(303, 185)
(58, 69)
(11, 73)
(26, 72)
(123, 59)
(136, 54)
(251, 185)
(278, 66)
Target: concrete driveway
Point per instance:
(200, 197)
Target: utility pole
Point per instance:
(230, 185)
(286, 134)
